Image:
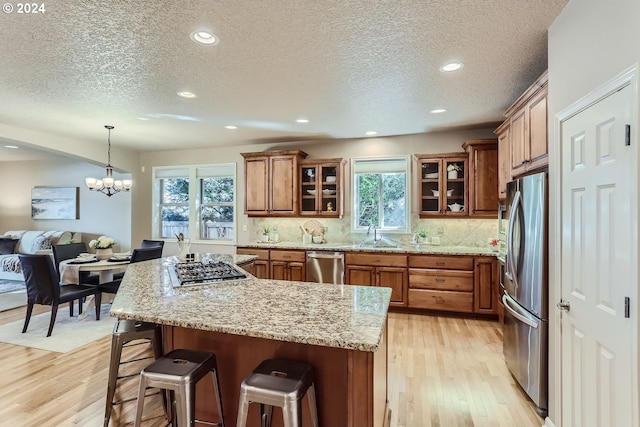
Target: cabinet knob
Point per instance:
(439, 300)
(439, 280)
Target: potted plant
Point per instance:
(422, 236)
(103, 246)
(452, 170)
(265, 233)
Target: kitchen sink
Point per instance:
(379, 242)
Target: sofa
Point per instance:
(17, 242)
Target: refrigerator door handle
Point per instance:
(511, 263)
(506, 300)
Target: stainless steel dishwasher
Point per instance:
(325, 267)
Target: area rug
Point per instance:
(68, 334)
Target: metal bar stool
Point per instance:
(124, 332)
(277, 382)
(178, 372)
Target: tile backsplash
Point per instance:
(452, 232)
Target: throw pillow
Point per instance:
(8, 246)
(40, 243)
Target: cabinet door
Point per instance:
(504, 169)
(297, 272)
(430, 175)
(519, 139)
(396, 279)
(283, 184)
(360, 275)
(279, 270)
(485, 280)
(454, 190)
(329, 196)
(483, 179)
(256, 173)
(262, 270)
(538, 146)
(309, 190)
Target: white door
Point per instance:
(599, 265)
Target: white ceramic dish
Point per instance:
(327, 191)
(331, 179)
(436, 193)
(431, 175)
(311, 192)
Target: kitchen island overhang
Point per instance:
(339, 329)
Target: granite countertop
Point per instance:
(411, 249)
(342, 316)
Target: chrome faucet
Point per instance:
(375, 234)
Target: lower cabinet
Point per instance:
(486, 285)
(368, 269)
(288, 265)
(260, 264)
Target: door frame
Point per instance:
(628, 77)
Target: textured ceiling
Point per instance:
(348, 66)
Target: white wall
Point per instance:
(99, 214)
(589, 43)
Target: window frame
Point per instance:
(195, 203)
(406, 160)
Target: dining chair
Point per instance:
(138, 255)
(146, 243)
(44, 288)
(69, 251)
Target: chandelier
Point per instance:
(108, 185)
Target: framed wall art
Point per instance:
(55, 203)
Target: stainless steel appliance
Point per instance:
(325, 267)
(199, 273)
(525, 287)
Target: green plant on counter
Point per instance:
(423, 233)
(266, 229)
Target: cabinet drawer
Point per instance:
(261, 253)
(376, 260)
(444, 280)
(441, 262)
(461, 302)
(287, 256)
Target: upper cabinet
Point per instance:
(271, 182)
(442, 184)
(483, 177)
(527, 129)
(321, 183)
(504, 160)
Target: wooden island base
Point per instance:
(351, 386)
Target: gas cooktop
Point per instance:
(196, 272)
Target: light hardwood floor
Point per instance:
(443, 372)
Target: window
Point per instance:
(380, 193)
(198, 201)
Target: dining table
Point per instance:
(70, 273)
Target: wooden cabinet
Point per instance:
(260, 264)
(441, 283)
(372, 269)
(271, 182)
(442, 184)
(485, 285)
(288, 265)
(483, 177)
(527, 129)
(504, 160)
(321, 187)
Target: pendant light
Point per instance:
(108, 185)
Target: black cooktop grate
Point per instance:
(197, 272)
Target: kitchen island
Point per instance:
(339, 330)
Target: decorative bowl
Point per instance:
(431, 175)
(331, 179)
(449, 193)
(436, 193)
(311, 192)
(327, 191)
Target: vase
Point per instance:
(452, 174)
(184, 246)
(103, 254)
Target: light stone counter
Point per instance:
(411, 249)
(341, 316)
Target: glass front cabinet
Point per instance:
(442, 184)
(321, 187)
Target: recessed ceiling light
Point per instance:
(186, 94)
(13, 147)
(302, 121)
(372, 132)
(437, 111)
(230, 127)
(452, 66)
(204, 37)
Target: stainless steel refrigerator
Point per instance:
(524, 280)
